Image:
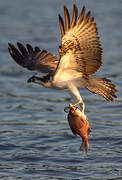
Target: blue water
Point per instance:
(35, 139)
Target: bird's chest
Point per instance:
(60, 80)
(59, 85)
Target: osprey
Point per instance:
(80, 57)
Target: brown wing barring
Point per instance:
(80, 38)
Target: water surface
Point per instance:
(35, 139)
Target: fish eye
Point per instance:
(76, 108)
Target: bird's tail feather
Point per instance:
(103, 87)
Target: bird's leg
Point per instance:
(73, 91)
(81, 103)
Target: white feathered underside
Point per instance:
(66, 73)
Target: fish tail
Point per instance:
(85, 145)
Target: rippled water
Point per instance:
(35, 139)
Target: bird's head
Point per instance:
(44, 81)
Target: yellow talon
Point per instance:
(81, 104)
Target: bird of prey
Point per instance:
(80, 57)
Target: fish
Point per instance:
(79, 125)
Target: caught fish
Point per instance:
(79, 125)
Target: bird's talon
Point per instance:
(83, 106)
(66, 109)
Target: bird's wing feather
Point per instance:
(33, 58)
(80, 41)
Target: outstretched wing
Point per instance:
(33, 59)
(80, 49)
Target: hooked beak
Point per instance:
(35, 79)
(32, 79)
